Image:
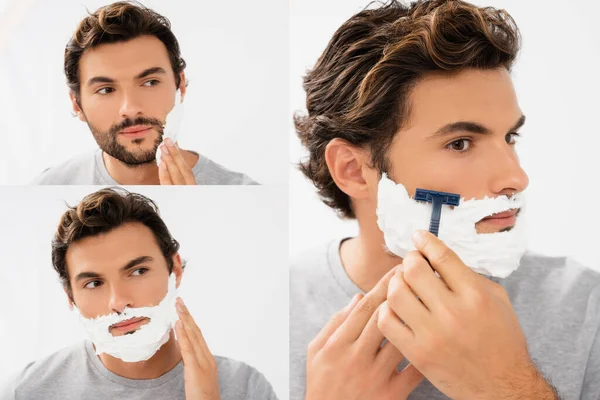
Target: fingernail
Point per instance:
(163, 166)
(179, 307)
(165, 149)
(169, 142)
(418, 236)
(400, 268)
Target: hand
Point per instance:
(173, 169)
(346, 361)
(461, 331)
(199, 365)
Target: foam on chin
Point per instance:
(145, 341)
(494, 254)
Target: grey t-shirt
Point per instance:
(556, 300)
(89, 169)
(76, 373)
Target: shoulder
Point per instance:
(557, 283)
(208, 172)
(69, 171)
(239, 377)
(313, 258)
(313, 264)
(40, 376)
(562, 271)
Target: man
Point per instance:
(114, 254)
(123, 67)
(423, 94)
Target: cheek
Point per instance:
(101, 114)
(437, 169)
(90, 305)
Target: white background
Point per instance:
(235, 283)
(558, 84)
(236, 103)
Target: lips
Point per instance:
(136, 129)
(127, 323)
(503, 215)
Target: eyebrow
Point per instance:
(472, 127)
(143, 74)
(131, 264)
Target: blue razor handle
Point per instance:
(437, 199)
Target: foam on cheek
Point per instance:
(172, 124)
(494, 254)
(144, 342)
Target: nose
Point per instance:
(507, 175)
(131, 105)
(119, 299)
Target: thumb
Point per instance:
(403, 383)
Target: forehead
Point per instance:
(484, 96)
(108, 252)
(124, 60)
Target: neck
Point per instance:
(164, 360)
(365, 258)
(143, 174)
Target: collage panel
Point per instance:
(440, 247)
(89, 85)
(89, 302)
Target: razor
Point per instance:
(437, 199)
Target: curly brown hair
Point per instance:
(359, 89)
(119, 22)
(101, 212)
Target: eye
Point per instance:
(139, 271)
(460, 145)
(92, 285)
(152, 82)
(105, 90)
(511, 138)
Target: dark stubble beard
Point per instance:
(107, 141)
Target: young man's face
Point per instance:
(460, 138)
(118, 269)
(127, 90)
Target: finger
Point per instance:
(334, 323)
(185, 346)
(423, 282)
(174, 173)
(194, 333)
(353, 326)
(450, 267)
(405, 381)
(388, 358)
(163, 174)
(398, 334)
(183, 167)
(371, 337)
(404, 303)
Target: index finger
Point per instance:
(442, 259)
(184, 169)
(163, 174)
(354, 325)
(193, 332)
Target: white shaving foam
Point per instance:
(493, 254)
(172, 124)
(144, 342)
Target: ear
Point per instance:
(349, 168)
(76, 108)
(71, 304)
(177, 269)
(182, 85)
